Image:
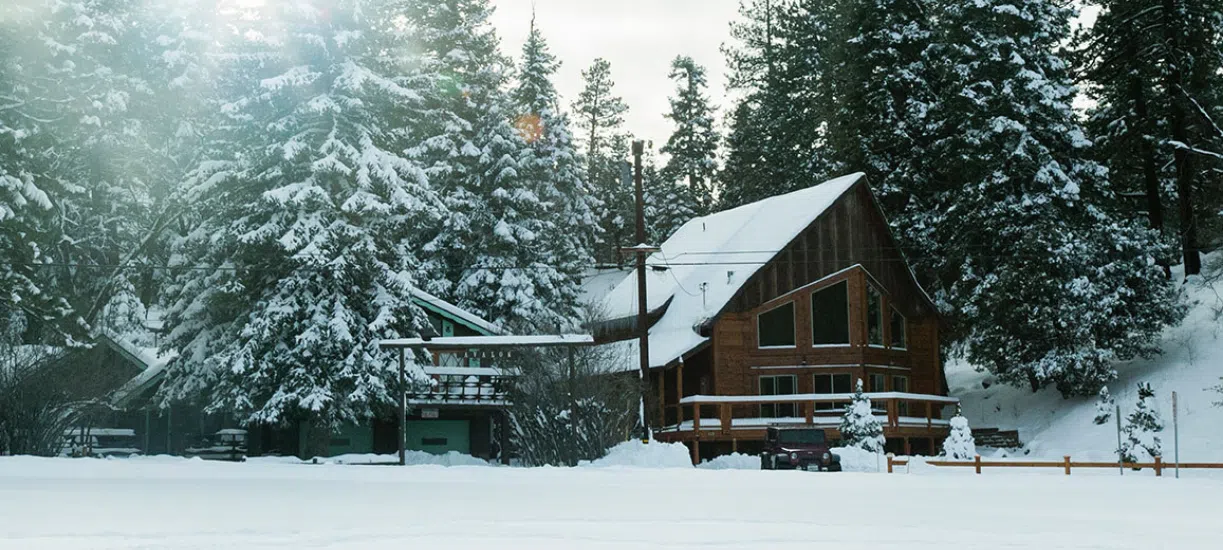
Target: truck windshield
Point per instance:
(800, 436)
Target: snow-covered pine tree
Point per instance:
(693, 145)
(1142, 425)
(959, 444)
(859, 427)
(493, 242)
(1104, 407)
(777, 138)
(599, 115)
(878, 72)
(1028, 219)
(553, 166)
(668, 203)
(309, 214)
(75, 100)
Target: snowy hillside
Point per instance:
(1051, 426)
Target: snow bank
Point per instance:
(636, 454)
(411, 458)
(733, 461)
(854, 459)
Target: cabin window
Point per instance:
(876, 383)
(898, 330)
(874, 317)
(901, 384)
(778, 385)
(831, 383)
(830, 315)
(775, 328)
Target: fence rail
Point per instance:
(1066, 464)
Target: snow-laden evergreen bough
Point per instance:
(309, 211)
(959, 444)
(859, 427)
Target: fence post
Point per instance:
(1159, 466)
(977, 462)
(1067, 457)
(890, 457)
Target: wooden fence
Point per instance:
(1066, 464)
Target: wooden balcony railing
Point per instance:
(744, 411)
(462, 386)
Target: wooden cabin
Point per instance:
(770, 313)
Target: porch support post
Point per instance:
(662, 396)
(504, 436)
(403, 412)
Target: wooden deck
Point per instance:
(730, 418)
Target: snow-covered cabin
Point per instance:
(124, 371)
(768, 314)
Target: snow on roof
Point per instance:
(466, 317)
(598, 283)
(703, 265)
(152, 360)
(491, 341)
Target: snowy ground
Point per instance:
(1051, 426)
(158, 503)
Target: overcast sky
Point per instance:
(638, 37)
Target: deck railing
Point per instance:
(462, 386)
(899, 409)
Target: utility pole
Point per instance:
(641, 249)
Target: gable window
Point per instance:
(898, 330)
(786, 384)
(828, 384)
(874, 316)
(775, 328)
(830, 315)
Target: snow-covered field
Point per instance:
(156, 503)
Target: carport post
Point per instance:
(403, 412)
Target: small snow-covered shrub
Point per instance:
(1142, 426)
(1104, 407)
(859, 427)
(959, 444)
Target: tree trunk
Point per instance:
(318, 438)
(1150, 172)
(1174, 79)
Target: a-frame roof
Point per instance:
(700, 268)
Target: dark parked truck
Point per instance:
(804, 448)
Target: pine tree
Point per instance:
(302, 258)
(668, 203)
(693, 146)
(1104, 407)
(1027, 220)
(554, 167)
(959, 444)
(499, 251)
(1142, 425)
(859, 427)
(778, 134)
(878, 71)
(1155, 74)
(599, 115)
(74, 96)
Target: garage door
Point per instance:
(439, 436)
